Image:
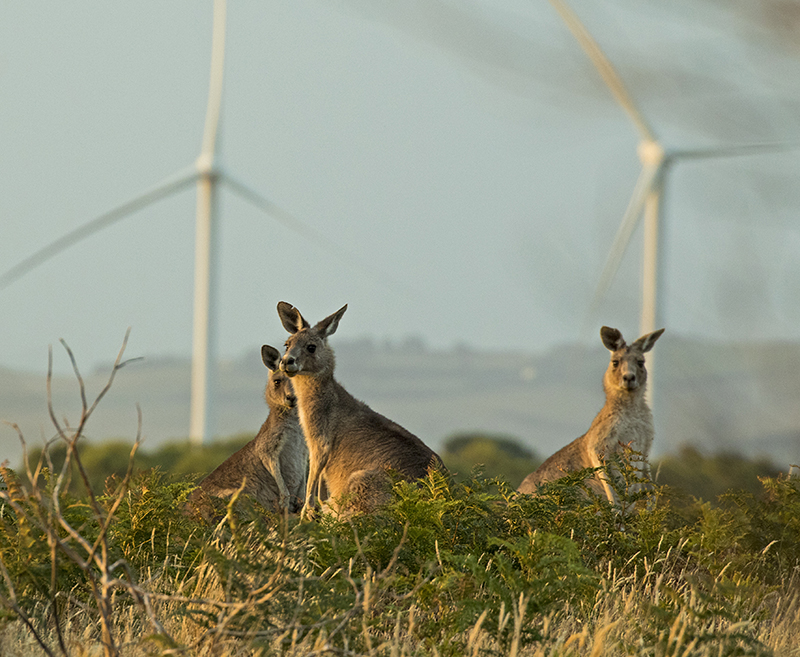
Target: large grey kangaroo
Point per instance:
(275, 462)
(624, 420)
(350, 446)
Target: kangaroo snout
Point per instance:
(290, 365)
(629, 381)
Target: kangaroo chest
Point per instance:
(322, 412)
(294, 454)
(316, 428)
(631, 428)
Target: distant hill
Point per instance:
(715, 397)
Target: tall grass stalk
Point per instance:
(447, 568)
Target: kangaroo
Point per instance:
(624, 420)
(350, 446)
(275, 462)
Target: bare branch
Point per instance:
(148, 608)
(81, 386)
(53, 592)
(72, 453)
(123, 489)
(47, 517)
(395, 555)
(50, 391)
(25, 460)
(12, 604)
(118, 365)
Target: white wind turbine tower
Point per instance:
(647, 193)
(207, 174)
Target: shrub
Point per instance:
(447, 567)
(496, 455)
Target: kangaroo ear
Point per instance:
(612, 338)
(646, 342)
(328, 326)
(271, 357)
(291, 318)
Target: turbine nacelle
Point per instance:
(651, 153)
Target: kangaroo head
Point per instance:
(626, 371)
(279, 391)
(307, 349)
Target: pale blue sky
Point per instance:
(466, 151)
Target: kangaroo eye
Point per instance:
(641, 363)
(615, 363)
(311, 348)
(277, 383)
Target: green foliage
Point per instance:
(182, 458)
(24, 546)
(708, 477)
(447, 566)
(754, 536)
(146, 529)
(495, 455)
(110, 555)
(688, 472)
(111, 458)
(451, 566)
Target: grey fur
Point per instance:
(351, 447)
(275, 462)
(624, 420)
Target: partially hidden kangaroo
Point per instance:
(275, 462)
(624, 420)
(351, 447)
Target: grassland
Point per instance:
(452, 566)
(446, 569)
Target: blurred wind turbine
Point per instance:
(207, 174)
(649, 189)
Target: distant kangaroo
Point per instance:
(350, 446)
(625, 420)
(275, 462)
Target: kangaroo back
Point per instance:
(624, 420)
(351, 447)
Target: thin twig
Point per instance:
(12, 604)
(395, 555)
(81, 386)
(123, 489)
(50, 391)
(118, 365)
(53, 591)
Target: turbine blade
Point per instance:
(215, 83)
(170, 186)
(735, 150)
(301, 228)
(278, 213)
(645, 182)
(604, 67)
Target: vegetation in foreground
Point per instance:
(690, 472)
(448, 568)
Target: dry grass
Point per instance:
(446, 569)
(611, 628)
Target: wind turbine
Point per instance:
(207, 174)
(649, 189)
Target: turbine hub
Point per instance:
(651, 153)
(205, 164)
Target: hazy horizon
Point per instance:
(462, 165)
(711, 395)
(377, 343)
